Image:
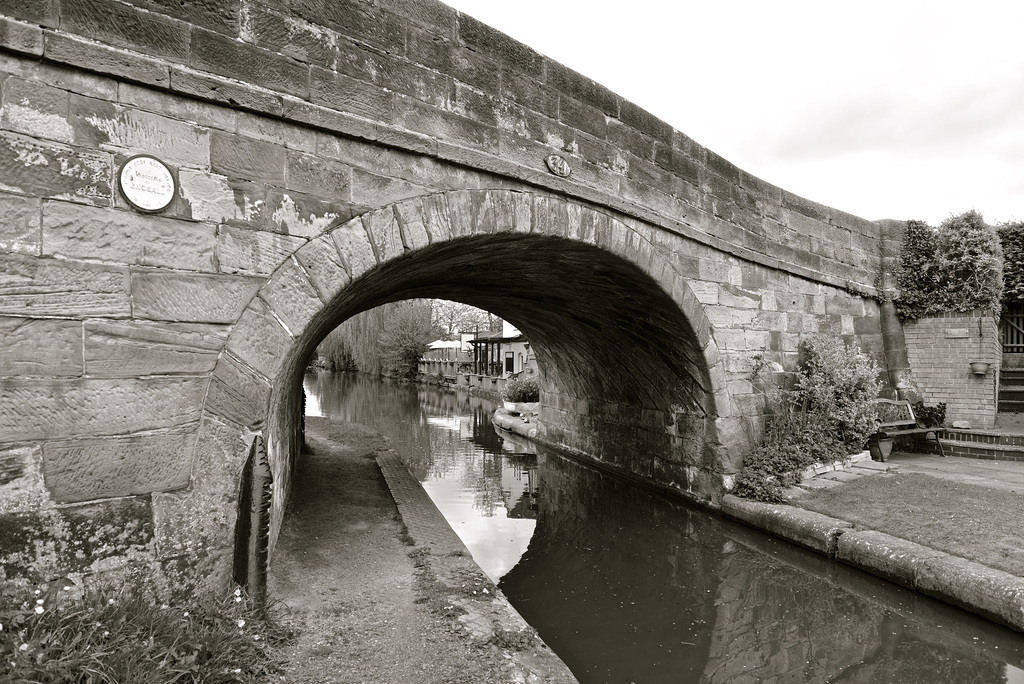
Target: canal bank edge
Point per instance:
(985, 591)
(994, 594)
(491, 620)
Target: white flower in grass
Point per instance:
(40, 610)
(241, 623)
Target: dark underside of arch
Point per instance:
(624, 377)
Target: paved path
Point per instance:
(1006, 475)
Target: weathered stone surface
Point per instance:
(326, 270)
(36, 110)
(87, 469)
(292, 297)
(385, 234)
(211, 198)
(806, 528)
(21, 37)
(41, 545)
(49, 169)
(126, 26)
(61, 47)
(237, 393)
(185, 297)
(21, 480)
(346, 94)
(132, 130)
(884, 555)
(192, 83)
(19, 231)
(236, 156)
(293, 213)
(355, 248)
(77, 231)
(371, 189)
(318, 176)
(40, 347)
(35, 409)
(47, 287)
(229, 57)
(136, 348)
(260, 340)
(194, 522)
(253, 252)
(993, 593)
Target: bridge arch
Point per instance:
(141, 353)
(630, 370)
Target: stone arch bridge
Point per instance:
(328, 157)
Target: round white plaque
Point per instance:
(147, 183)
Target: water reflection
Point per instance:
(627, 586)
(484, 484)
(630, 587)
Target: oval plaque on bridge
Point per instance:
(147, 183)
(558, 165)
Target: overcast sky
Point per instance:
(894, 109)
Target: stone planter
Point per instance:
(527, 407)
(880, 448)
(510, 406)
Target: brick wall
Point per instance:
(940, 349)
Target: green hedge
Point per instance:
(957, 267)
(1011, 237)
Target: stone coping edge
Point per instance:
(991, 593)
(485, 621)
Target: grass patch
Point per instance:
(976, 523)
(111, 635)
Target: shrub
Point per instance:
(930, 416)
(956, 267)
(521, 390)
(1011, 239)
(827, 416)
(838, 382)
(128, 635)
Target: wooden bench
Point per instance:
(897, 419)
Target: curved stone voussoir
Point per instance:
(237, 393)
(324, 266)
(355, 248)
(292, 297)
(259, 338)
(384, 233)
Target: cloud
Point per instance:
(922, 123)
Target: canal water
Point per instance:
(629, 586)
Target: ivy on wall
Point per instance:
(1011, 237)
(957, 267)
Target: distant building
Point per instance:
(503, 354)
(482, 359)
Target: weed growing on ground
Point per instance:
(107, 635)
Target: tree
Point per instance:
(386, 340)
(451, 318)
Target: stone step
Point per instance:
(985, 445)
(1010, 405)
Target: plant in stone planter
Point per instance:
(521, 390)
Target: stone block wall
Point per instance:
(940, 349)
(140, 353)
